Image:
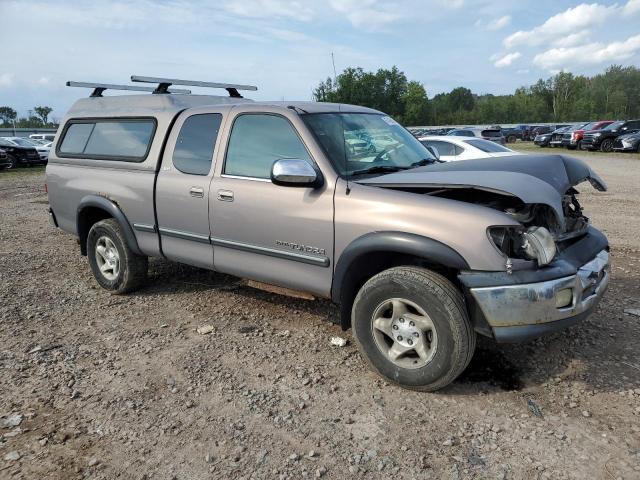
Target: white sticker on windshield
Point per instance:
(389, 120)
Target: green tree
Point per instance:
(43, 113)
(7, 115)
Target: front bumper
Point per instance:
(524, 305)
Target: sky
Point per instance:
(284, 47)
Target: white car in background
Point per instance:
(453, 148)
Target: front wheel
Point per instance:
(13, 162)
(412, 328)
(113, 264)
(607, 145)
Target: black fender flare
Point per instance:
(110, 207)
(393, 242)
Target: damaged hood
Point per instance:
(542, 179)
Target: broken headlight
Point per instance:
(538, 244)
(533, 243)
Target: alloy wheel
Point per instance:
(404, 333)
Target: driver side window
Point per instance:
(257, 141)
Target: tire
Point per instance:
(606, 145)
(449, 341)
(579, 145)
(117, 269)
(511, 139)
(13, 162)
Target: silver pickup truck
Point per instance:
(420, 256)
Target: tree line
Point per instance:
(564, 97)
(37, 118)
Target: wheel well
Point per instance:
(87, 217)
(366, 266)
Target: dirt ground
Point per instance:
(100, 386)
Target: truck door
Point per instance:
(182, 189)
(273, 234)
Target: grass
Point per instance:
(529, 147)
(22, 172)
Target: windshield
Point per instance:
(361, 143)
(613, 126)
(23, 142)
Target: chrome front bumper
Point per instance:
(533, 306)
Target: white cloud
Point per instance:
(598, 53)
(271, 9)
(6, 79)
(572, 40)
(499, 23)
(571, 21)
(632, 6)
(367, 14)
(501, 61)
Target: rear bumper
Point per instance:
(528, 304)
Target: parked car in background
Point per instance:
(493, 134)
(49, 137)
(544, 139)
(42, 149)
(20, 155)
(556, 136)
(603, 139)
(451, 148)
(519, 132)
(572, 139)
(4, 160)
(629, 142)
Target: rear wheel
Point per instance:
(607, 145)
(412, 328)
(113, 264)
(511, 139)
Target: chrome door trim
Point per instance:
(184, 235)
(143, 227)
(272, 252)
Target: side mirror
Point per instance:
(293, 172)
(434, 151)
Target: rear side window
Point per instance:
(194, 148)
(487, 146)
(258, 140)
(444, 148)
(108, 139)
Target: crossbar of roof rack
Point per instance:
(99, 88)
(165, 83)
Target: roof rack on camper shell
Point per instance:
(99, 88)
(163, 86)
(165, 83)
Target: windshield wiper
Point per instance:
(378, 169)
(423, 162)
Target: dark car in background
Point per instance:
(556, 136)
(492, 134)
(604, 138)
(629, 142)
(573, 138)
(20, 155)
(4, 160)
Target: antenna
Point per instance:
(165, 83)
(99, 88)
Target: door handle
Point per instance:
(225, 195)
(197, 192)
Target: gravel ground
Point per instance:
(99, 386)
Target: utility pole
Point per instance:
(333, 61)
